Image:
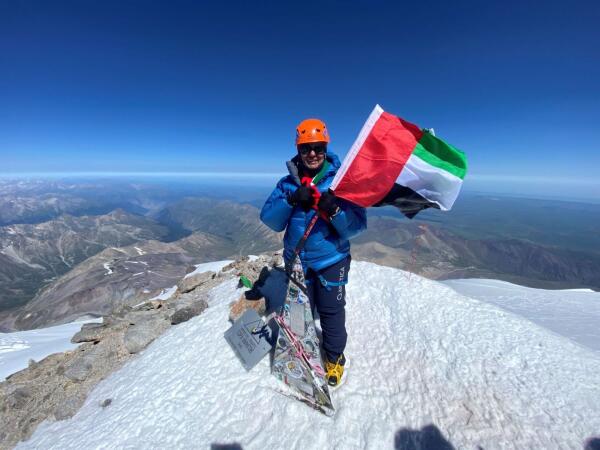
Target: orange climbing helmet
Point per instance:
(311, 130)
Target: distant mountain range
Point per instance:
(439, 253)
(71, 266)
(36, 201)
(57, 264)
(237, 224)
(103, 282)
(32, 255)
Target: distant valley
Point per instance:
(56, 270)
(439, 253)
(59, 262)
(32, 255)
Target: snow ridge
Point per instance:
(573, 313)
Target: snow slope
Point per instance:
(17, 348)
(165, 294)
(573, 313)
(421, 354)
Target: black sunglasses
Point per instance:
(305, 149)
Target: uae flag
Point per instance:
(394, 162)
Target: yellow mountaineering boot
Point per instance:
(335, 371)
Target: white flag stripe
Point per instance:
(358, 143)
(436, 185)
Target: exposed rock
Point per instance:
(234, 265)
(18, 397)
(140, 316)
(109, 320)
(190, 283)
(56, 386)
(87, 335)
(276, 260)
(122, 311)
(152, 304)
(182, 315)
(138, 336)
(91, 325)
(68, 407)
(238, 308)
(187, 312)
(79, 369)
(250, 269)
(106, 402)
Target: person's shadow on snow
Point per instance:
(592, 444)
(234, 446)
(427, 438)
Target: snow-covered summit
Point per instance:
(421, 354)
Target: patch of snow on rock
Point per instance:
(107, 268)
(215, 266)
(165, 294)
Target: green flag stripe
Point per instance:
(318, 177)
(437, 153)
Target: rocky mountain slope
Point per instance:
(121, 276)
(38, 255)
(31, 201)
(235, 222)
(40, 200)
(32, 255)
(438, 253)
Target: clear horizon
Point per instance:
(564, 189)
(180, 86)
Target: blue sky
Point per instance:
(191, 86)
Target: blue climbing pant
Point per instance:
(327, 293)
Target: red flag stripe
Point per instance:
(385, 151)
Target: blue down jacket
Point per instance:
(328, 242)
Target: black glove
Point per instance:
(328, 204)
(302, 197)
